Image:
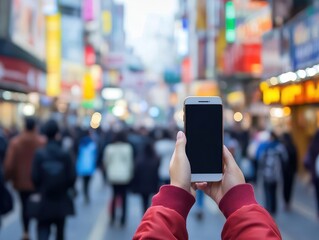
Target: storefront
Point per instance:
(20, 87)
(22, 60)
(292, 78)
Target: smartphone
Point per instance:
(203, 123)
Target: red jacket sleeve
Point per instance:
(166, 218)
(245, 218)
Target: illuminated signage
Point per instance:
(253, 28)
(294, 94)
(53, 53)
(230, 22)
(107, 22)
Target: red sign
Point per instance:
(243, 59)
(90, 57)
(20, 75)
(186, 70)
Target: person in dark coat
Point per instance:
(289, 168)
(146, 178)
(18, 163)
(53, 175)
(310, 164)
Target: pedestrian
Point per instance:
(164, 147)
(289, 168)
(119, 163)
(272, 157)
(3, 147)
(199, 205)
(104, 138)
(311, 163)
(18, 163)
(86, 162)
(146, 175)
(166, 218)
(258, 138)
(53, 175)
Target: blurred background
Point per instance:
(109, 65)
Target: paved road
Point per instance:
(91, 222)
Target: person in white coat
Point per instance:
(119, 163)
(164, 147)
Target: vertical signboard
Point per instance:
(27, 26)
(88, 10)
(271, 57)
(72, 39)
(230, 22)
(304, 38)
(53, 53)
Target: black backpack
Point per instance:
(54, 174)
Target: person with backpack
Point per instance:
(311, 163)
(53, 175)
(18, 162)
(86, 161)
(289, 168)
(272, 157)
(146, 180)
(119, 162)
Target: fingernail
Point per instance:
(179, 135)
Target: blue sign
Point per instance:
(304, 36)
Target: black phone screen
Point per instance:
(204, 133)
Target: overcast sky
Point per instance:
(145, 19)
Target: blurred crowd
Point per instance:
(44, 161)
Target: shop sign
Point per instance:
(89, 55)
(72, 38)
(294, 94)
(243, 59)
(88, 10)
(201, 19)
(27, 26)
(252, 29)
(20, 75)
(304, 35)
(107, 22)
(271, 57)
(53, 55)
(88, 88)
(186, 70)
(71, 75)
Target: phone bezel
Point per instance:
(214, 100)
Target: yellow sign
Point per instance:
(88, 87)
(107, 22)
(293, 94)
(53, 53)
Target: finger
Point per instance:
(228, 157)
(202, 186)
(180, 145)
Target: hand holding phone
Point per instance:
(203, 121)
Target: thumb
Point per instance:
(180, 143)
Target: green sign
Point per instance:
(230, 22)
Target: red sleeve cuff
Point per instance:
(174, 198)
(237, 197)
